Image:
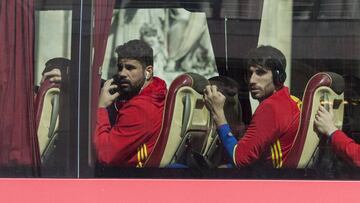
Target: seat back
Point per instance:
(323, 88)
(47, 115)
(186, 121)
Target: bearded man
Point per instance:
(139, 98)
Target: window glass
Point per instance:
(53, 37)
(180, 40)
(53, 28)
(208, 38)
(314, 37)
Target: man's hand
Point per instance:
(324, 121)
(215, 101)
(54, 76)
(106, 99)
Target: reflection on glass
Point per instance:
(180, 40)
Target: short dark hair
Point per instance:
(136, 49)
(59, 62)
(269, 58)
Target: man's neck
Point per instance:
(146, 83)
(275, 90)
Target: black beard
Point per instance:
(129, 91)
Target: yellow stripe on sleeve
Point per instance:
(142, 152)
(145, 151)
(280, 153)
(272, 156)
(276, 155)
(297, 101)
(138, 155)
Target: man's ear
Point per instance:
(149, 72)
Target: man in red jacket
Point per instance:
(139, 98)
(271, 132)
(341, 143)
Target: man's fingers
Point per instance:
(114, 96)
(51, 78)
(54, 75)
(321, 109)
(208, 91)
(54, 72)
(112, 87)
(331, 111)
(108, 82)
(316, 121)
(205, 97)
(320, 112)
(214, 89)
(55, 79)
(220, 94)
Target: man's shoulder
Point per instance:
(266, 107)
(145, 102)
(156, 88)
(158, 83)
(140, 100)
(138, 109)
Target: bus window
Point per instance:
(210, 38)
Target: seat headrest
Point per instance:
(338, 83)
(226, 85)
(198, 82)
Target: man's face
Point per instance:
(261, 83)
(132, 76)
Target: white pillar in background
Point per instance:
(276, 30)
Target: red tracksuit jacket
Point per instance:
(346, 147)
(130, 141)
(271, 132)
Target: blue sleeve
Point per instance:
(227, 138)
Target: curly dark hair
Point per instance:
(136, 49)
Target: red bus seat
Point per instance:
(322, 88)
(186, 121)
